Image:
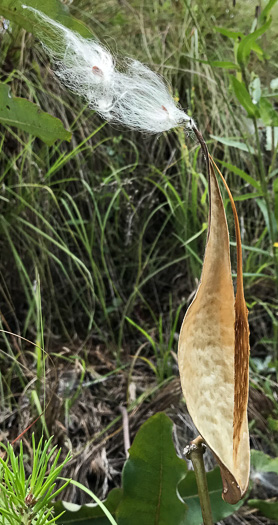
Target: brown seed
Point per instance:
(97, 71)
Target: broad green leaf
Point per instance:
(267, 113)
(261, 462)
(150, 478)
(230, 34)
(189, 492)
(267, 508)
(246, 44)
(90, 514)
(247, 178)
(244, 97)
(227, 141)
(13, 10)
(20, 113)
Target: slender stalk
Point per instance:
(195, 452)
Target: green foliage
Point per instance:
(114, 223)
(27, 500)
(266, 11)
(150, 477)
(244, 176)
(247, 43)
(162, 348)
(256, 100)
(233, 143)
(230, 34)
(13, 10)
(267, 508)
(268, 114)
(244, 97)
(188, 490)
(261, 462)
(22, 114)
(90, 514)
(157, 487)
(93, 275)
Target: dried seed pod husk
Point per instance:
(214, 353)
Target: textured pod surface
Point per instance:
(213, 357)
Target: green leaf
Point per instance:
(90, 514)
(267, 9)
(247, 178)
(262, 205)
(13, 10)
(148, 337)
(248, 196)
(261, 462)
(246, 44)
(243, 97)
(268, 509)
(150, 478)
(20, 113)
(224, 65)
(230, 34)
(219, 63)
(227, 141)
(272, 424)
(267, 112)
(259, 52)
(189, 492)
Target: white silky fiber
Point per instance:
(136, 97)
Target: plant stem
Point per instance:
(195, 452)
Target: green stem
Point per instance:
(195, 452)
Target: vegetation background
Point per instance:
(102, 237)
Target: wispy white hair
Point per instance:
(137, 97)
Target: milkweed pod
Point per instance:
(213, 356)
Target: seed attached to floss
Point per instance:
(97, 71)
(130, 97)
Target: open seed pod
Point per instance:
(214, 351)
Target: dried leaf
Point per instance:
(214, 352)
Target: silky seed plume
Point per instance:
(137, 97)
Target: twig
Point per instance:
(124, 413)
